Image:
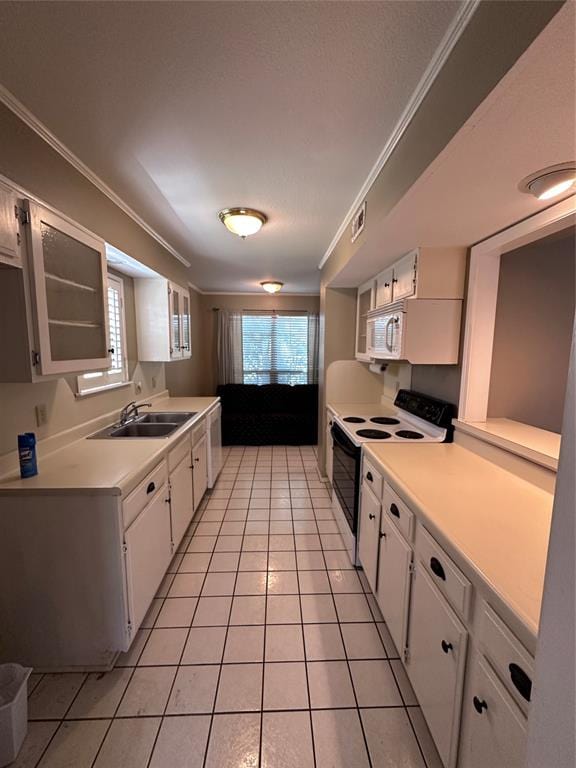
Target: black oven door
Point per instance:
(346, 475)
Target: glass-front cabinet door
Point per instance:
(186, 336)
(175, 322)
(365, 302)
(68, 271)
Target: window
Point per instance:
(275, 348)
(118, 371)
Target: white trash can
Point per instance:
(13, 710)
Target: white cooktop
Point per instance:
(399, 427)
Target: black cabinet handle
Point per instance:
(382, 535)
(436, 568)
(372, 517)
(394, 510)
(151, 487)
(446, 647)
(369, 476)
(111, 351)
(521, 681)
(479, 704)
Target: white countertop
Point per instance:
(494, 524)
(534, 444)
(105, 466)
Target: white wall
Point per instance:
(551, 732)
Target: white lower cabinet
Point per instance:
(200, 469)
(494, 728)
(436, 663)
(181, 498)
(369, 535)
(394, 575)
(148, 550)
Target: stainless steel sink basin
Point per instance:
(137, 429)
(176, 417)
(157, 424)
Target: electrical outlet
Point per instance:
(41, 414)
(153, 382)
(138, 387)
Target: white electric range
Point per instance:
(415, 418)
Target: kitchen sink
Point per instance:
(137, 429)
(165, 418)
(159, 424)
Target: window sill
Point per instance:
(104, 388)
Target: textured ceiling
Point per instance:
(185, 108)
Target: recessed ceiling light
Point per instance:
(272, 286)
(242, 221)
(550, 182)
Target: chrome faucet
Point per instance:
(130, 411)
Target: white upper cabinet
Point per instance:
(69, 289)
(9, 228)
(424, 273)
(404, 280)
(416, 285)
(384, 282)
(162, 320)
(365, 302)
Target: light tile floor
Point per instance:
(263, 648)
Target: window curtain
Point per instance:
(229, 347)
(313, 347)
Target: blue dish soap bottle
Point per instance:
(27, 454)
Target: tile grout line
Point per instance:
(265, 629)
(212, 714)
(304, 640)
(350, 670)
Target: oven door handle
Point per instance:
(352, 452)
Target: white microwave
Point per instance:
(425, 331)
(385, 332)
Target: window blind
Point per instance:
(275, 348)
(118, 371)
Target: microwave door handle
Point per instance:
(389, 326)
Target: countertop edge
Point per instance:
(126, 483)
(524, 625)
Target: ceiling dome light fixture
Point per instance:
(272, 286)
(550, 182)
(242, 221)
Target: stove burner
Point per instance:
(408, 434)
(384, 420)
(354, 420)
(373, 434)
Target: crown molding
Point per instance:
(458, 25)
(9, 100)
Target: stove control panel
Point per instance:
(437, 412)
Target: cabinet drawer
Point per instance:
(177, 454)
(509, 658)
(495, 729)
(398, 512)
(198, 431)
(372, 478)
(143, 494)
(448, 577)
